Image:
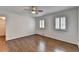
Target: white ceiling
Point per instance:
(46, 9)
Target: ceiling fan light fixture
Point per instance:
(34, 8)
(33, 12)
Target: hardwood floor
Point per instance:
(38, 43)
(3, 46)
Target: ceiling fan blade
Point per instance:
(40, 10)
(27, 9)
(33, 9)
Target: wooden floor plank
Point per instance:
(3, 47)
(38, 43)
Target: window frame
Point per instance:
(42, 27)
(60, 23)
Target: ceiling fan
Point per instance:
(33, 9)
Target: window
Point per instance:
(60, 23)
(57, 23)
(42, 24)
(63, 23)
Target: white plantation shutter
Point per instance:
(60, 23)
(42, 24)
(63, 23)
(57, 21)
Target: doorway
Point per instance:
(2, 33)
(2, 26)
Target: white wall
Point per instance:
(70, 35)
(78, 26)
(18, 25)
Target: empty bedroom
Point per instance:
(39, 28)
